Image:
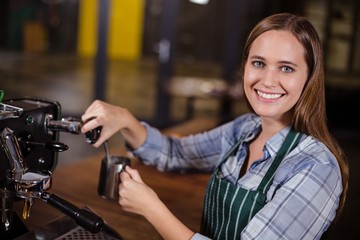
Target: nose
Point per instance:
(270, 78)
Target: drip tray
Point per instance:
(65, 228)
(80, 233)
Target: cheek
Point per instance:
(296, 89)
(249, 77)
(246, 81)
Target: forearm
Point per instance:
(134, 134)
(168, 226)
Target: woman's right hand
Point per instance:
(113, 119)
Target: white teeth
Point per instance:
(268, 96)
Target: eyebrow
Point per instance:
(257, 57)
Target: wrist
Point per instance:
(134, 134)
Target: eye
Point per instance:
(258, 64)
(286, 69)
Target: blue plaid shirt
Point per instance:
(303, 198)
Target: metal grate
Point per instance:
(80, 233)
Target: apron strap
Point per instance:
(232, 151)
(290, 142)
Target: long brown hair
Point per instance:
(310, 111)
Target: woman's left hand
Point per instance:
(134, 195)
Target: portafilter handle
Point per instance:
(82, 216)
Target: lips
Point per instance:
(270, 96)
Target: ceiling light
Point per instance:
(202, 2)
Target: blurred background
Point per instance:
(170, 62)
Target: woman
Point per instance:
(276, 172)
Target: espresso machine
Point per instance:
(30, 144)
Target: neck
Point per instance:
(271, 127)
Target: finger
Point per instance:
(134, 174)
(90, 123)
(99, 142)
(93, 106)
(105, 134)
(93, 110)
(124, 176)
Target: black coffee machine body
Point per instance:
(26, 118)
(29, 140)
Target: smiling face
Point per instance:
(275, 74)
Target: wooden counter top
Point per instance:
(77, 183)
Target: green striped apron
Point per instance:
(227, 207)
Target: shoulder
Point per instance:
(310, 172)
(312, 156)
(312, 151)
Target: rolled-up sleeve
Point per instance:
(194, 152)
